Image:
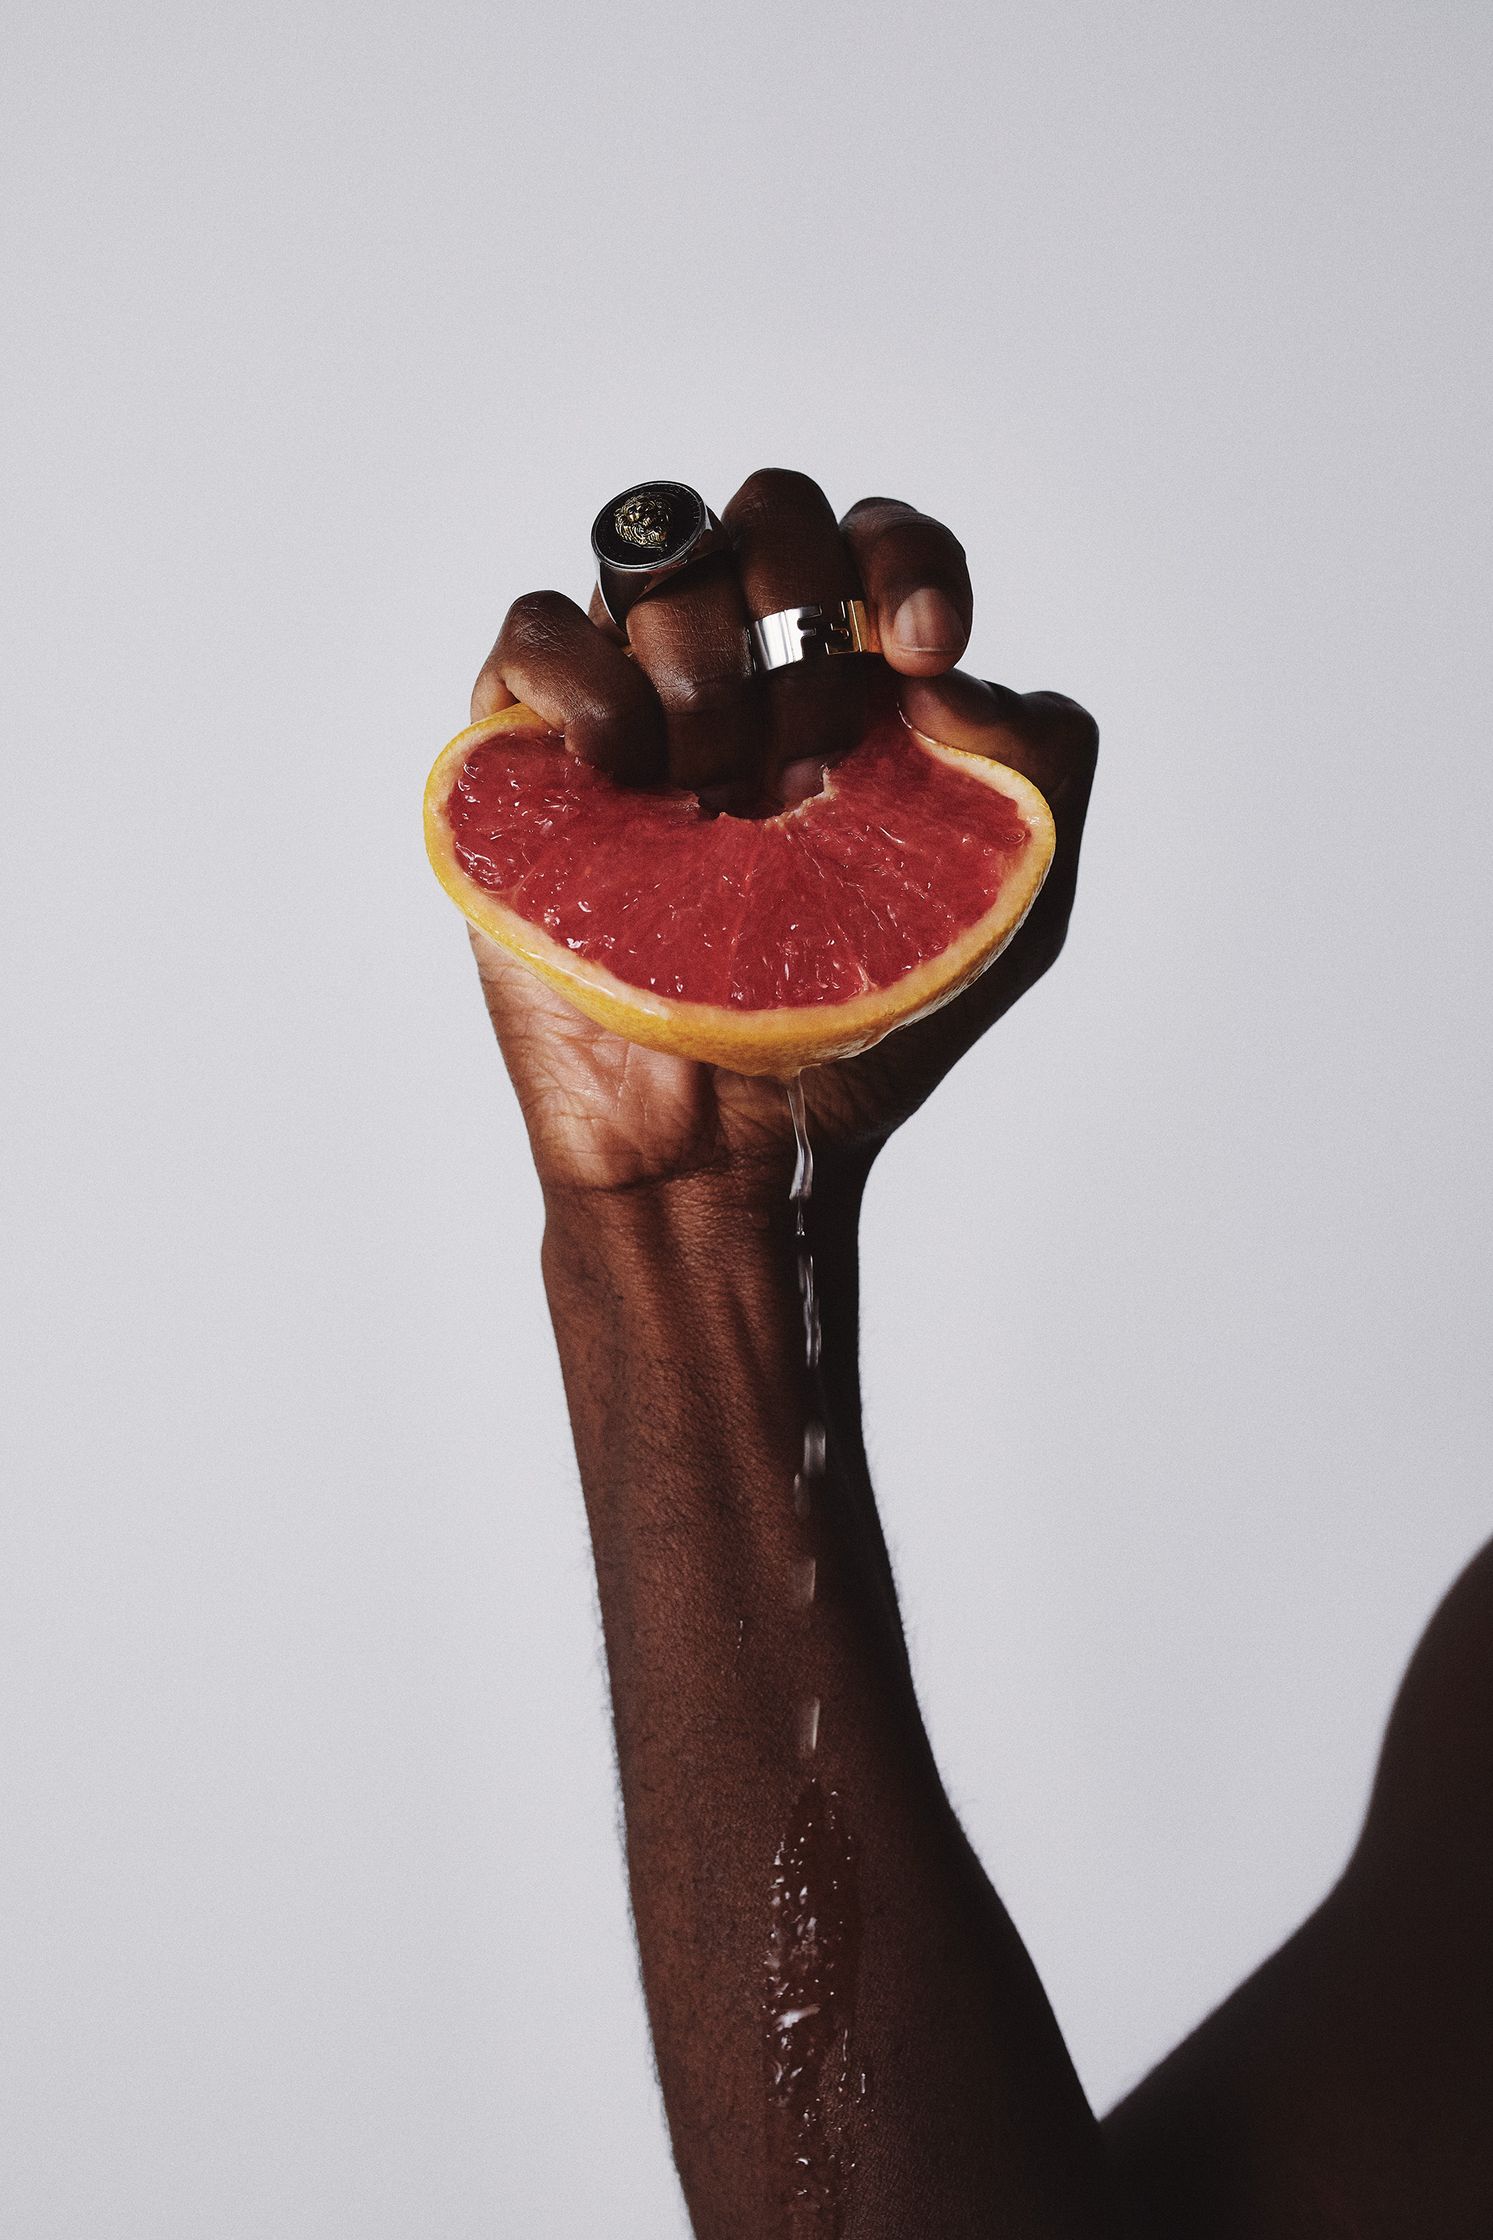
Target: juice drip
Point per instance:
(812, 1958)
(810, 1468)
(800, 1191)
(814, 1939)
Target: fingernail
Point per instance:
(926, 622)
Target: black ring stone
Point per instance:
(648, 527)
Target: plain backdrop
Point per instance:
(327, 330)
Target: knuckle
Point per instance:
(936, 546)
(590, 716)
(874, 516)
(612, 734)
(696, 696)
(538, 617)
(1068, 725)
(874, 520)
(776, 490)
(906, 544)
(623, 703)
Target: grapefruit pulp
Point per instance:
(764, 944)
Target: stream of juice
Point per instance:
(813, 1942)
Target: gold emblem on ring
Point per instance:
(644, 519)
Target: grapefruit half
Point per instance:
(764, 944)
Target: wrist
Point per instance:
(694, 1281)
(664, 1266)
(667, 1214)
(739, 1206)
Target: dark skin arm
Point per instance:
(669, 1261)
(671, 1272)
(682, 1345)
(1345, 2092)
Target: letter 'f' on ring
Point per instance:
(811, 633)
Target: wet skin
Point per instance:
(1345, 2089)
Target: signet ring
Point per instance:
(645, 536)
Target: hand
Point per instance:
(605, 1114)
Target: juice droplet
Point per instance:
(813, 1957)
(800, 1190)
(813, 1338)
(802, 1187)
(808, 1727)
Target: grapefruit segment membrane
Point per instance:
(763, 944)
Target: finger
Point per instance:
(549, 656)
(790, 553)
(1054, 742)
(697, 651)
(489, 693)
(917, 579)
(692, 640)
(1044, 735)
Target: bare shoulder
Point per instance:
(1432, 1807)
(1343, 2090)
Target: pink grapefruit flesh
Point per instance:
(763, 944)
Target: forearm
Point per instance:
(777, 1781)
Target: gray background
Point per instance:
(328, 327)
